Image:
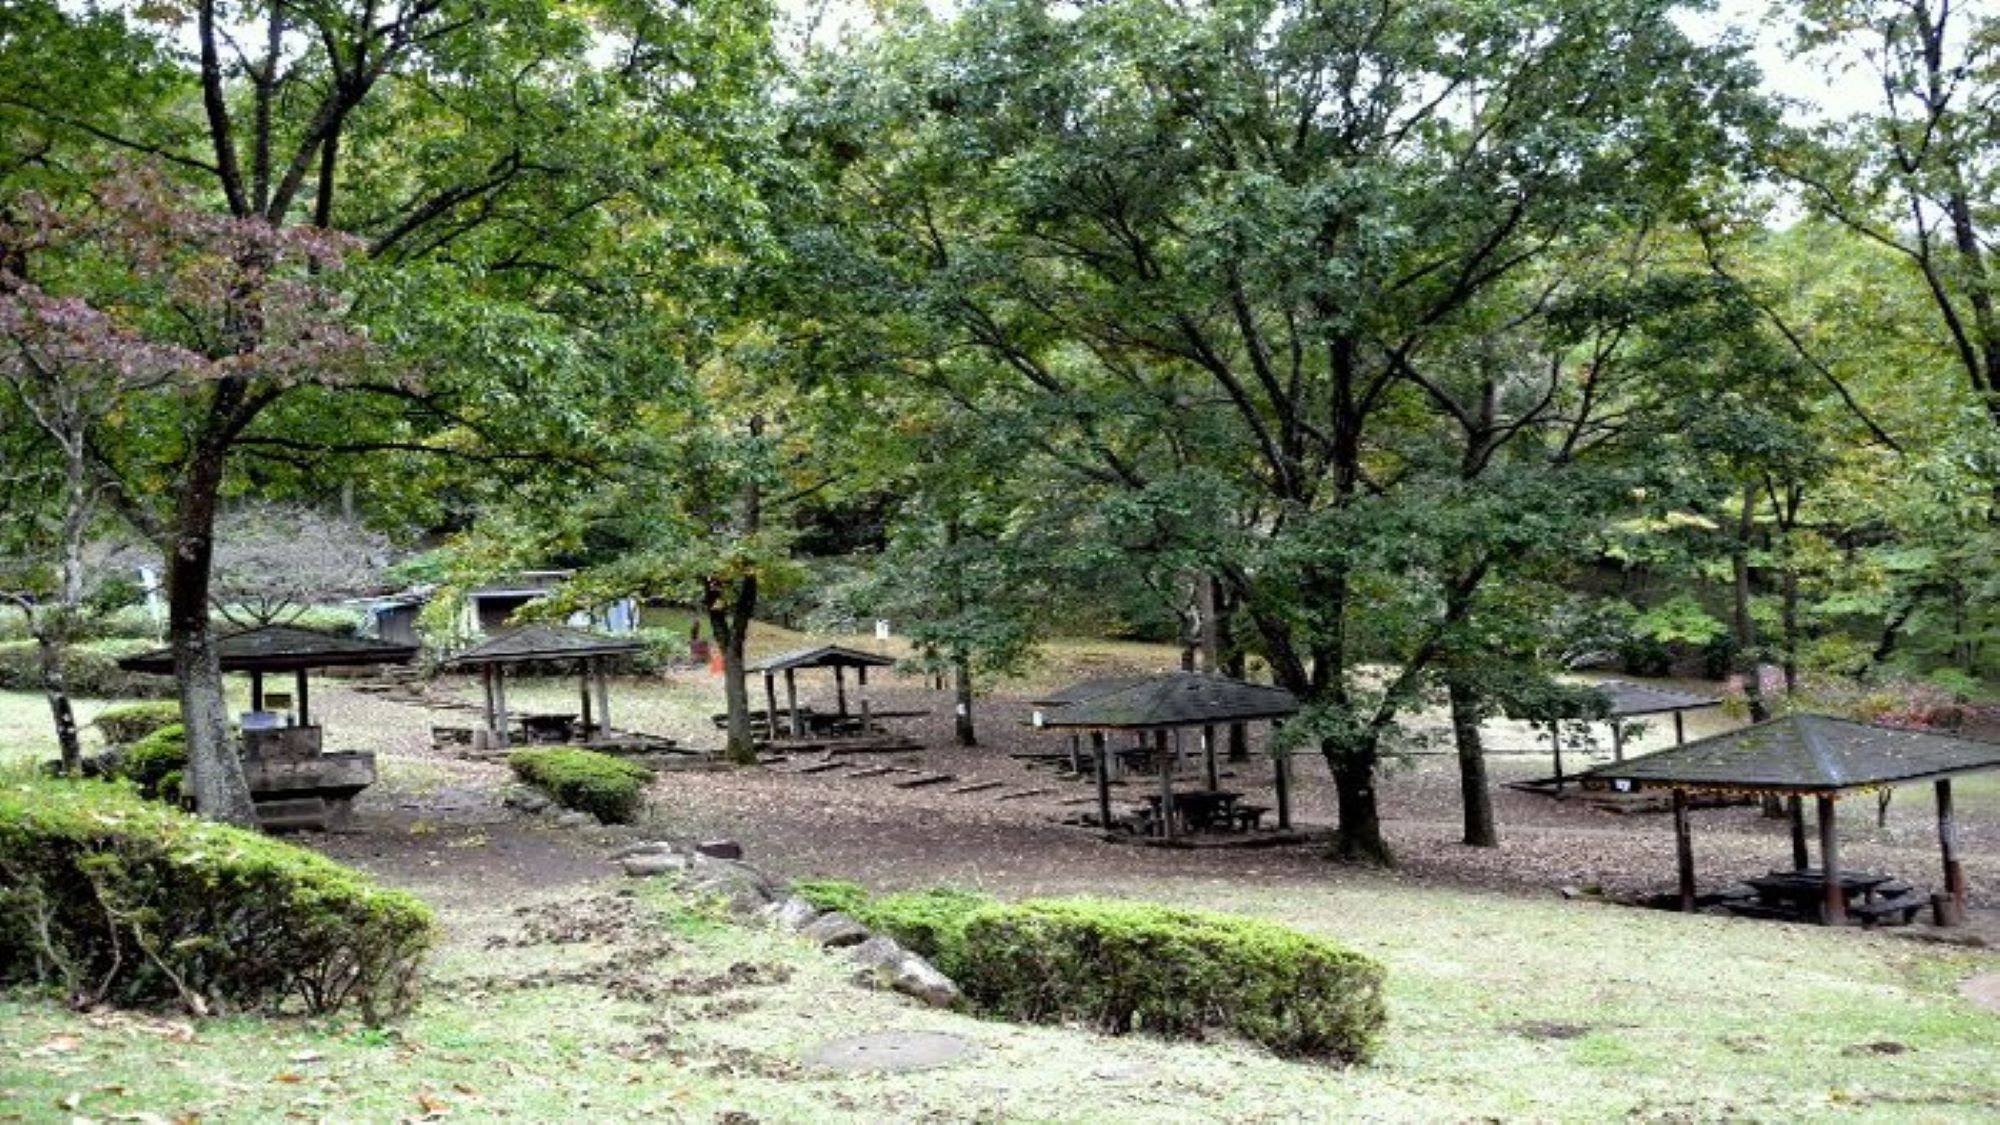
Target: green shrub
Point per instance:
(128, 723)
(832, 894)
(90, 670)
(1125, 967)
(585, 779)
(929, 923)
(119, 901)
(156, 763)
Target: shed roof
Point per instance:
(1177, 699)
(1088, 689)
(821, 656)
(281, 648)
(543, 642)
(1802, 754)
(1628, 699)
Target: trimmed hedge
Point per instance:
(1123, 967)
(116, 900)
(156, 763)
(90, 669)
(128, 723)
(608, 787)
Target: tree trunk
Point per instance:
(1474, 794)
(215, 772)
(1748, 652)
(961, 678)
(741, 747)
(1359, 839)
(49, 652)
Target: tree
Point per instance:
(1285, 211)
(275, 561)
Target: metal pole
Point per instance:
(1684, 850)
(1835, 908)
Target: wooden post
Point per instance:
(500, 705)
(1801, 856)
(1103, 779)
(1166, 785)
(256, 691)
(1684, 850)
(304, 702)
(1954, 871)
(792, 702)
(1281, 777)
(583, 696)
(603, 679)
(1208, 757)
(1680, 729)
(771, 706)
(840, 690)
(1556, 741)
(1617, 741)
(867, 721)
(1834, 912)
(1076, 753)
(486, 687)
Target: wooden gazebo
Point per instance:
(1172, 702)
(537, 643)
(1813, 756)
(1082, 691)
(837, 657)
(295, 782)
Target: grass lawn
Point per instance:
(1500, 1008)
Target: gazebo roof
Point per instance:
(1088, 689)
(1177, 699)
(821, 656)
(1801, 754)
(1628, 699)
(543, 642)
(281, 648)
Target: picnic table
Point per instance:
(1199, 810)
(548, 727)
(1802, 893)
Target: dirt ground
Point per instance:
(436, 817)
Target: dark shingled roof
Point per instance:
(543, 642)
(1628, 699)
(1177, 699)
(1088, 689)
(1801, 754)
(281, 648)
(821, 656)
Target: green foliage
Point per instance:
(600, 784)
(127, 724)
(157, 762)
(119, 901)
(1125, 967)
(832, 894)
(90, 670)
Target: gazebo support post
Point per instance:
(1281, 777)
(583, 696)
(1617, 741)
(304, 703)
(500, 705)
(1076, 753)
(1097, 749)
(1801, 857)
(486, 689)
(603, 684)
(792, 702)
(1684, 850)
(256, 691)
(861, 681)
(1953, 913)
(840, 690)
(1166, 785)
(771, 706)
(1680, 729)
(1834, 910)
(1208, 757)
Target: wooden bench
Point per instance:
(1903, 909)
(1248, 817)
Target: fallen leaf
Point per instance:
(307, 1057)
(289, 1077)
